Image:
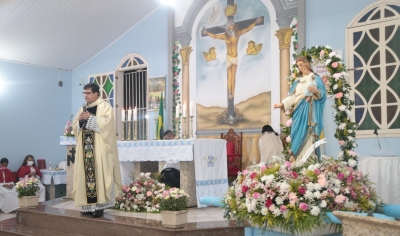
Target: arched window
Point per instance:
(373, 57)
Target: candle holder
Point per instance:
(191, 126)
(155, 128)
(184, 128)
(177, 123)
(129, 130)
(123, 131)
(135, 127)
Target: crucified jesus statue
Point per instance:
(231, 38)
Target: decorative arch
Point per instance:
(131, 62)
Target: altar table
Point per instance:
(385, 173)
(55, 183)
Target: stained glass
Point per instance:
(358, 101)
(394, 43)
(356, 37)
(396, 8)
(389, 57)
(376, 72)
(368, 123)
(375, 33)
(125, 63)
(359, 114)
(365, 17)
(391, 112)
(395, 83)
(377, 112)
(367, 86)
(366, 48)
(357, 75)
(390, 98)
(377, 16)
(108, 86)
(388, 31)
(388, 13)
(376, 60)
(377, 98)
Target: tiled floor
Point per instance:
(206, 214)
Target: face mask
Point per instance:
(30, 163)
(3, 167)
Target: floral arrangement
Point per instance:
(295, 37)
(173, 199)
(176, 96)
(68, 128)
(339, 88)
(140, 195)
(296, 199)
(27, 187)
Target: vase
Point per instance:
(28, 202)
(174, 219)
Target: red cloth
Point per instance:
(26, 170)
(10, 178)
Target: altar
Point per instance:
(204, 169)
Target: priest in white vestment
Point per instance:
(97, 176)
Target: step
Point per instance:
(71, 222)
(10, 227)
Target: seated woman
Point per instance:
(8, 194)
(269, 144)
(28, 169)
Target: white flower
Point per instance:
(352, 162)
(350, 138)
(335, 86)
(354, 145)
(317, 194)
(317, 186)
(142, 174)
(315, 211)
(348, 112)
(310, 186)
(268, 178)
(264, 211)
(279, 200)
(323, 204)
(342, 126)
(147, 175)
(327, 62)
(309, 195)
(346, 190)
(349, 204)
(284, 187)
(345, 75)
(336, 190)
(332, 54)
(277, 212)
(329, 47)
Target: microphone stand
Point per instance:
(377, 137)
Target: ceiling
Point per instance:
(64, 34)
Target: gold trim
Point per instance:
(231, 10)
(185, 54)
(284, 36)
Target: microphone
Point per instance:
(377, 137)
(84, 107)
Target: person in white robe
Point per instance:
(97, 175)
(270, 144)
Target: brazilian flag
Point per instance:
(160, 123)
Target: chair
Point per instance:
(233, 151)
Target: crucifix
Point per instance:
(230, 33)
(71, 158)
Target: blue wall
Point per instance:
(34, 111)
(148, 38)
(325, 25)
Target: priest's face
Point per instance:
(90, 96)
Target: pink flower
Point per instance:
(294, 175)
(287, 164)
(283, 208)
(268, 203)
(138, 190)
(340, 176)
(303, 206)
(349, 179)
(340, 199)
(176, 83)
(256, 195)
(335, 64)
(289, 123)
(317, 171)
(339, 95)
(245, 188)
(272, 207)
(297, 24)
(352, 153)
(287, 112)
(263, 168)
(293, 75)
(175, 73)
(301, 190)
(292, 198)
(252, 175)
(149, 193)
(288, 139)
(244, 172)
(176, 92)
(321, 180)
(342, 143)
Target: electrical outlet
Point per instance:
(81, 82)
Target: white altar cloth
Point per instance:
(385, 173)
(156, 150)
(67, 140)
(58, 176)
(210, 168)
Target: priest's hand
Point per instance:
(84, 115)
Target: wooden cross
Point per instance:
(230, 12)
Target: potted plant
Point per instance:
(173, 207)
(27, 189)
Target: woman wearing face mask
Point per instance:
(8, 194)
(27, 170)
